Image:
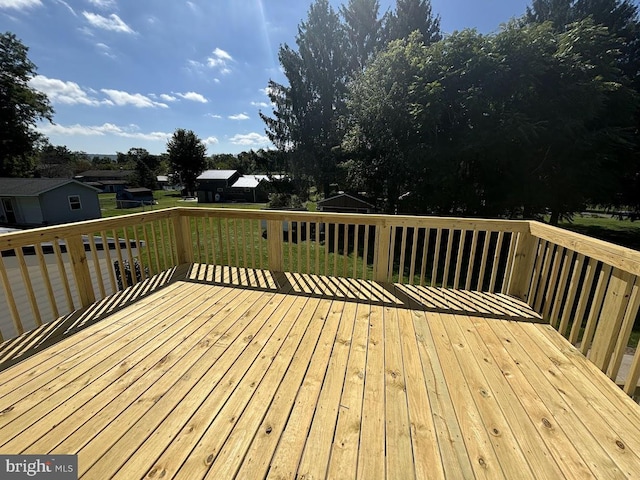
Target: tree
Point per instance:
(412, 15)
(364, 33)
(187, 157)
(146, 167)
(307, 112)
(494, 125)
(20, 108)
(60, 162)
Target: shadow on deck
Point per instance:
(412, 297)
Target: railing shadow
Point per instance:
(413, 297)
(19, 348)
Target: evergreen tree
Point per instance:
(412, 15)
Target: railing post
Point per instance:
(80, 268)
(383, 244)
(182, 229)
(523, 262)
(274, 245)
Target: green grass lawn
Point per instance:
(620, 232)
(165, 199)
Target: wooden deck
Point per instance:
(237, 374)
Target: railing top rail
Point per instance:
(624, 258)
(44, 234)
(363, 219)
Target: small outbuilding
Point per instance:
(134, 197)
(346, 203)
(31, 202)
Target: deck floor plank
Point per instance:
(101, 383)
(241, 373)
(186, 395)
(563, 400)
(557, 442)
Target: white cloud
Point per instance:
(266, 91)
(68, 93)
(239, 116)
(20, 4)
(213, 115)
(130, 131)
(104, 4)
(250, 139)
(113, 22)
(217, 80)
(193, 96)
(121, 99)
(65, 4)
(210, 141)
(220, 59)
(105, 50)
(166, 98)
(261, 104)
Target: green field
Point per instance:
(605, 227)
(165, 199)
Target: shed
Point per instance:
(134, 197)
(34, 202)
(346, 203)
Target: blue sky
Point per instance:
(127, 73)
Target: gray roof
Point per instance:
(246, 182)
(29, 187)
(217, 174)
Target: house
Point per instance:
(164, 182)
(212, 185)
(346, 203)
(229, 185)
(134, 197)
(46, 201)
(108, 181)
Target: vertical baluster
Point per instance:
(447, 258)
(96, 263)
(483, 261)
(403, 247)
(132, 264)
(63, 274)
(571, 296)
(44, 270)
(123, 276)
(436, 257)
(356, 233)
(596, 306)
(510, 260)
(560, 289)
(414, 256)
(365, 252)
(458, 270)
(585, 291)
(308, 241)
(107, 251)
(26, 279)
(425, 255)
(496, 262)
(15, 316)
(472, 260)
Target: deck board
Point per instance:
(230, 374)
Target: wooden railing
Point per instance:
(587, 289)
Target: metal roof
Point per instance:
(217, 174)
(246, 182)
